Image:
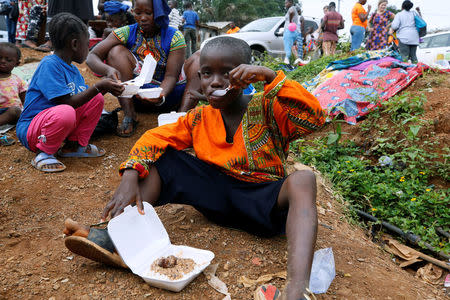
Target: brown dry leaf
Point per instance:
(430, 274)
(247, 282)
(215, 282)
(401, 251)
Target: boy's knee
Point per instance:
(303, 180)
(306, 177)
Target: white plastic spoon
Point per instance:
(220, 93)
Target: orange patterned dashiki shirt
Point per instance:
(284, 112)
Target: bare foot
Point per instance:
(74, 228)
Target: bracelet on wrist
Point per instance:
(98, 91)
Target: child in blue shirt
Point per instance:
(190, 23)
(59, 106)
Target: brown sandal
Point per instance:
(127, 122)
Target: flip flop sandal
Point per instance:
(98, 247)
(88, 151)
(6, 141)
(127, 121)
(43, 48)
(43, 159)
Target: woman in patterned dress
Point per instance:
(121, 54)
(378, 27)
(31, 17)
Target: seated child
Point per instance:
(59, 106)
(237, 178)
(12, 89)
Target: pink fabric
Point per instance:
(355, 93)
(49, 128)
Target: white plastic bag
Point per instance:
(322, 271)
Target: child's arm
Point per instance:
(145, 152)
(153, 143)
(295, 111)
(104, 86)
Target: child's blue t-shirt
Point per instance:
(190, 17)
(53, 78)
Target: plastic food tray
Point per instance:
(168, 118)
(141, 239)
(148, 69)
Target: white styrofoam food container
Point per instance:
(148, 69)
(141, 239)
(168, 118)
(150, 93)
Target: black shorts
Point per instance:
(223, 199)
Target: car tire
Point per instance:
(257, 56)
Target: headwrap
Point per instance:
(161, 13)
(115, 7)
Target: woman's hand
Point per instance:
(243, 75)
(110, 86)
(127, 193)
(113, 74)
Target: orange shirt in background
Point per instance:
(233, 30)
(358, 9)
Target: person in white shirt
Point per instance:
(175, 19)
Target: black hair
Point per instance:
(174, 2)
(237, 47)
(4, 45)
(407, 5)
(290, 1)
(64, 27)
(332, 4)
(187, 5)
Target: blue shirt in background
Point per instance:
(53, 78)
(190, 18)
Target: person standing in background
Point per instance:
(233, 28)
(405, 26)
(359, 18)
(378, 27)
(11, 19)
(175, 19)
(331, 22)
(291, 29)
(301, 33)
(190, 21)
(30, 13)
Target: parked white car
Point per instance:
(435, 50)
(266, 35)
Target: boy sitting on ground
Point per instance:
(12, 88)
(237, 178)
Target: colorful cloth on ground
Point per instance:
(379, 35)
(24, 13)
(283, 113)
(360, 58)
(159, 46)
(355, 93)
(358, 9)
(10, 88)
(366, 64)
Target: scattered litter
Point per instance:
(247, 282)
(215, 282)
(65, 280)
(430, 274)
(322, 271)
(347, 275)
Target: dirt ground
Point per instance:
(36, 265)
